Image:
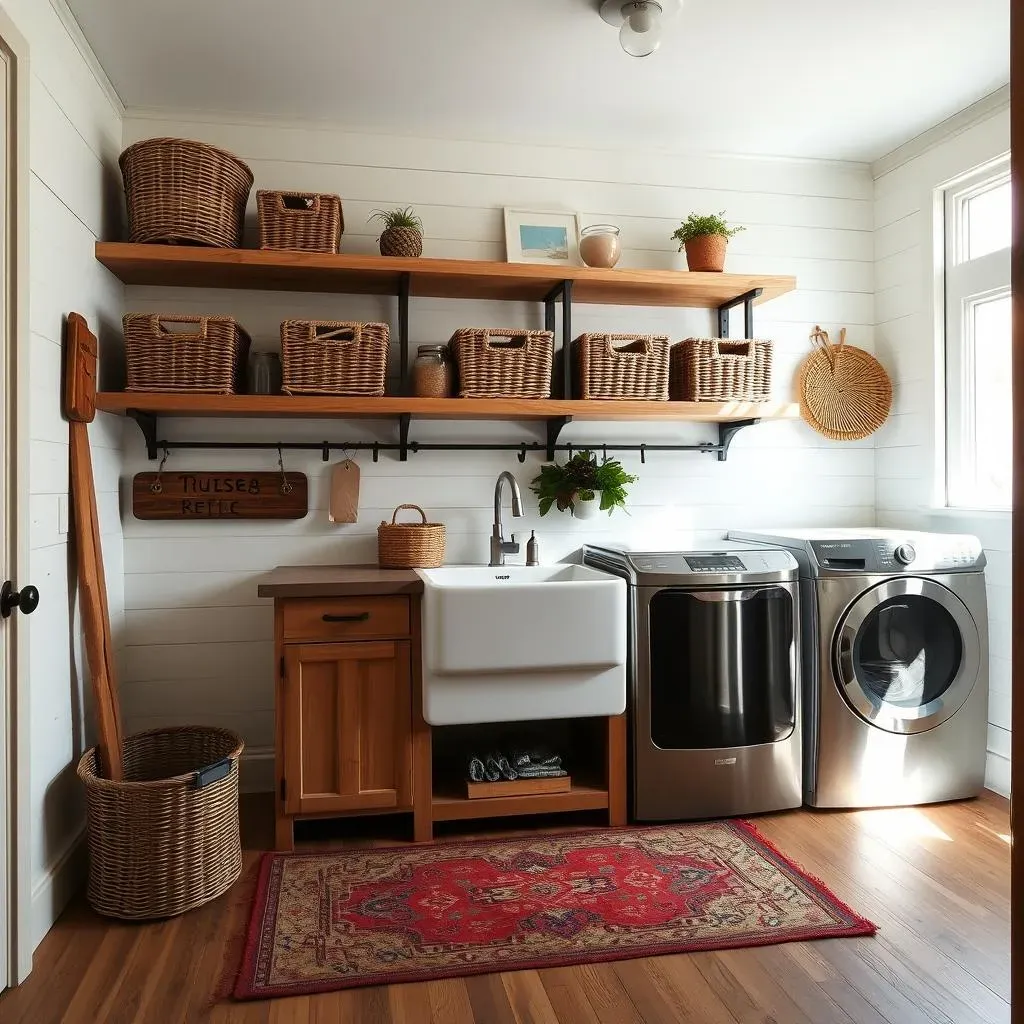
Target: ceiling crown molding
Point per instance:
(74, 30)
(953, 125)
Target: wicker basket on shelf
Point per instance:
(410, 545)
(183, 191)
(299, 221)
(192, 354)
(716, 370)
(608, 369)
(334, 357)
(494, 363)
(165, 839)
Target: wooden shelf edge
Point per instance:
(437, 408)
(194, 266)
(459, 808)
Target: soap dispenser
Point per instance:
(532, 553)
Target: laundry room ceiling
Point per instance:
(788, 78)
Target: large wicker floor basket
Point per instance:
(166, 839)
(183, 191)
(716, 370)
(496, 363)
(334, 357)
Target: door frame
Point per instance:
(15, 848)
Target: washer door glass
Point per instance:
(907, 655)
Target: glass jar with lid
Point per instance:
(600, 245)
(432, 372)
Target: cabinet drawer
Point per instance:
(346, 618)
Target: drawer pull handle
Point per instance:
(360, 617)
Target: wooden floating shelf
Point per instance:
(196, 267)
(325, 407)
(579, 798)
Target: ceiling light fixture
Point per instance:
(639, 22)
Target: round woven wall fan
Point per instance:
(844, 391)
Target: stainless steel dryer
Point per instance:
(714, 684)
(895, 664)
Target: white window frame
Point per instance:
(966, 283)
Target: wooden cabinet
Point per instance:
(344, 708)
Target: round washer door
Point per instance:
(907, 655)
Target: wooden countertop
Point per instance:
(339, 581)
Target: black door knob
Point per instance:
(25, 600)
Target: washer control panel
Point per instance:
(900, 554)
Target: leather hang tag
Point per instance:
(344, 503)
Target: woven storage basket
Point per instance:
(166, 839)
(410, 545)
(183, 191)
(714, 370)
(845, 393)
(334, 357)
(518, 367)
(638, 369)
(302, 221)
(207, 359)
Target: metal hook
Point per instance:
(522, 454)
(570, 452)
(376, 451)
(156, 487)
(643, 454)
(326, 453)
(286, 487)
(604, 452)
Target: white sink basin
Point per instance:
(515, 643)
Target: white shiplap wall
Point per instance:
(198, 639)
(75, 136)
(909, 447)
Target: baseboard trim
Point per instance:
(52, 893)
(256, 771)
(997, 774)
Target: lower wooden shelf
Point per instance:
(453, 807)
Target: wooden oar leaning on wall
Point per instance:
(80, 409)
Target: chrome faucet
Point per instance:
(499, 546)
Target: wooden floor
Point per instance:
(935, 880)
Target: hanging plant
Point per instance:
(577, 485)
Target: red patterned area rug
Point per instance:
(327, 921)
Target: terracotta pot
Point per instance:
(706, 252)
(401, 242)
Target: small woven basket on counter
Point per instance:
(334, 357)
(608, 369)
(716, 370)
(299, 221)
(495, 363)
(178, 191)
(187, 354)
(410, 545)
(166, 838)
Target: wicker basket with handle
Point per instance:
(410, 545)
(181, 353)
(637, 369)
(517, 367)
(716, 370)
(299, 221)
(178, 190)
(165, 839)
(334, 357)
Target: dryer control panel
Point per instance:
(899, 553)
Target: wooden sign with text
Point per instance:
(237, 495)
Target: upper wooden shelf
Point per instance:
(436, 408)
(196, 267)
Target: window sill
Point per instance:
(970, 513)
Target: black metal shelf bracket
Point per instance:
(726, 432)
(555, 426)
(148, 426)
(403, 330)
(746, 300)
(404, 420)
(562, 292)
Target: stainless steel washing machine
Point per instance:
(895, 664)
(714, 679)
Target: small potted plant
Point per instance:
(582, 486)
(705, 239)
(403, 232)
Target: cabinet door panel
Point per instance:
(347, 726)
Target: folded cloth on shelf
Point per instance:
(476, 769)
(536, 759)
(540, 772)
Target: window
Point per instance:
(977, 313)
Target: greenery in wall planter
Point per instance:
(582, 486)
(705, 239)
(403, 232)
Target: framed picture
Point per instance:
(541, 237)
